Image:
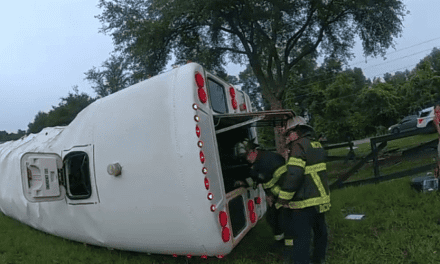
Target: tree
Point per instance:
(380, 105)
(63, 114)
(112, 78)
(249, 84)
(271, 35)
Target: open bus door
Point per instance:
(226, 122)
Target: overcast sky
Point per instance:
(47, 45)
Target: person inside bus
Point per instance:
(264, 164)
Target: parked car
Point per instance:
(426, 117)
(408, 123)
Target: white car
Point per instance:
(426, 117)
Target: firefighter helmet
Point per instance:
(296, 122)
(241, 149)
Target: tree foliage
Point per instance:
(62, 114)
(5, 136)
(271, 35)
(112, 78)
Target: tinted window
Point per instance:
(423, 114)
(77, 175)
(237, 213)
(217, 96)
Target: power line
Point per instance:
(353, 94)
(359, 62)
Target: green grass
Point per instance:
(400, 227)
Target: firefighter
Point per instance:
(265, 164)
(303, 195)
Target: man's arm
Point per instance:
(294, 177)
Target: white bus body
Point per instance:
(139, 170)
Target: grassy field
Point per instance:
(401, 226)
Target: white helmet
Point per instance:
(241, 149)
(297, 121)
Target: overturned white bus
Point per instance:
(149, 169)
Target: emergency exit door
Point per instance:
(41, 174)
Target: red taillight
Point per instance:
(226, 234)
(213, 208)
(175, 255)
(253, 217)
(210, 196)
(251, 205)
(200, 81)
(223, 218)
(243, 107)
(234, 103)
(232, 92)
(252, 214)
(206, 183)
(202, 95)
(204, 170)
(202, 157)
(198, 132)
(420, 120)
(258, 200)
(204, 257)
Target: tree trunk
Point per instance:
(280, 139)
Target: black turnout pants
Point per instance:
(273, 217)
(298, 225)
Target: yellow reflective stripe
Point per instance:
(316, 144)
(276, 190)
(324, 207)
(288, 242)
(286, 195)
(279, 237)
(315, 168)
(323, 199)
(279, 171)
(318, 183)
(276, 176)
(278, 205)
(296, 162)
(309, 202)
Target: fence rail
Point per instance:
(378, 144)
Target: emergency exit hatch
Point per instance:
(41, 177)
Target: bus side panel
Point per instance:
(198, 159)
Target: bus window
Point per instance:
(77, 175)
(217, 97)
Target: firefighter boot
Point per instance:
(278, 244)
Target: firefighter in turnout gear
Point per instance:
(265, 166)
(303, 195)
